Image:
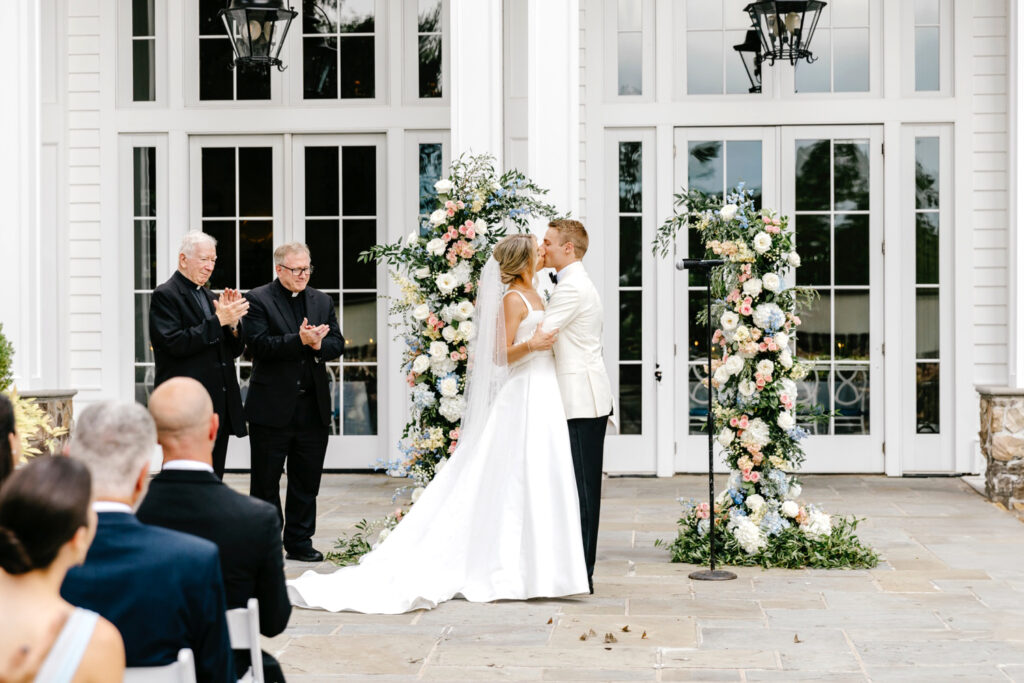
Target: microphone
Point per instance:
(696, 263)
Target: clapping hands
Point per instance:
(231, 307)
(312, 335)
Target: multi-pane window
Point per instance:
(629, 39)
(341, 222)
(842, 47)
(430, 169)
(144, 208)
(926, 45)
(712, 66)
(428, 43)
(143, 51)
(338, 48)
(630, 287)
(926, 282)
(832, 224)
(218, 80)
(715, 167)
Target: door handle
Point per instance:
(657, 372)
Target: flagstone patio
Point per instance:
(946, 602)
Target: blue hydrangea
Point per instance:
(797, 433)
(423, 396)
(737, 512)
(450, 375)
(737, 496)
(703, 526)
(774, 523)
(781, 481)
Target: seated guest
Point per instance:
(46, 524)
(161, 588)
(187, 496)
(10, 444)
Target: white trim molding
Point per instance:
(476, 85)
(1016, 184)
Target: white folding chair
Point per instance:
(244, 632)
(181, 671)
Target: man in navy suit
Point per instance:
(197, 335)
(186, 496)
(162, 589)
(292, 332)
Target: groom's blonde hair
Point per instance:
(514, 255)
(572, 231)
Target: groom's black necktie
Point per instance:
(554, 278)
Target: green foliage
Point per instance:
(790, 549)
(348, 549)
(6, 362)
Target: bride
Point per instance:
(501, 520)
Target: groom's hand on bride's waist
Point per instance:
(542, 339)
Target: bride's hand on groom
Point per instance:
(542, 339)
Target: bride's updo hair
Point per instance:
(42, 506)
(515, 254)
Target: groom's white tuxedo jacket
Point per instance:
(575, 310)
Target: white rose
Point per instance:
(440, 465)
(818, 524)
(794, 259)
(729, 212)
(467, 330)
(412, 239)
(789, 508)
(480, 226)
(421, 312)
(463, 310)
(442, 365)
(462, 272)
(417, 492)
(765, 367)
(729, 320)
(757, 432)
(786, 421)
(752, 288)
(782, 339)
(762, 242)
(436, 246)
(451, 408)
(420, 365)
(747, 388)
(771, 282)
(448, 333)
(449, 386)
(754, 502)
(438, 217)
(446, 282)
(788, 387)
(443, 186)
(722, 374)
(384, 533)
(726, 436)
(786, 359)
(742, 333)
(735, 364)
(794, 491)
(421, 272)
(438, 349)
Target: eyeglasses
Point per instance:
(308, 270)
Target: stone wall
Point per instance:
(1002, 444)
(58, 405)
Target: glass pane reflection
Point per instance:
(630, 399)
(926, 58)
(851, 248)
(852, 399)
(630, 325)
(145, 254)
(143, 70)
(630, 251)
(813, 175)
(703, 63)
(224, 272)
(359, 400)
(630, 169)
(698, 399)
(630, 63)
(145, 378)
(815, 247)
(430, 172)
(814, 398)
(706, 167)
(430, 66)
(851, 176)
(813, 340)
(926, 174)
(322, 238)
(319, 68)
(816, 76)
(928, 398)
(255, 253)
(852, 324)
(143, 345)
(743, 161)
(357, 79)
(852, 72)
(629, 15)
(927, 328)
(255, 182)
(358, 322)
(927, 248)
(355, 16)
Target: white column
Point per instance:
(1016, 241)
(553, 100)
(476, 88)
(20, 276)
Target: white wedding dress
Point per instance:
(500, 521)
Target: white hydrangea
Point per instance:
(785, 420)
(771, 282)
(752, 288)
(463, 310)
(436, 246)
(762, 242)
(448, 333)
(412, 239)
(818, 524)
(788, 387)
(447, 313)
(480, 227)
(438, 349)
(793, 259)
(462, 272)
(765, 314)
(442, 365)
(755, 502)
(756, 433)
(729, 212)
(782, 339)
(449, 386)
(446, 283)
(729, 320)
(790, 508)
(421, 273)
(421, 312)
(748, 535)
(420, 365)
(417, 492)
(443, 186)
(794, 491)
(452, 407)
(786, 358)
(722, 374)
(765, 367)
(437, 218)
(747, 388)
(467, 330)
(726, 436)
(735, 364)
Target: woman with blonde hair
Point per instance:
(501, 520)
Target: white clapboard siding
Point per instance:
(85, 267)
(583, 115)
(990, 198)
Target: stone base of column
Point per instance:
(1002, 445)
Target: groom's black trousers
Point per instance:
(586, 439)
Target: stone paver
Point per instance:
(946, 602)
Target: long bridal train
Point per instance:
(499, 521)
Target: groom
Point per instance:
(575, 311)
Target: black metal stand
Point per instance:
(710, 574)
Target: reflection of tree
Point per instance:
(813, 176)
(430, 173)
(705, 173)
(851, 175)
(927, 187)
(630, 157)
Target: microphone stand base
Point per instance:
(712, 575)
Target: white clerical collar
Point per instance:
(567, 270)
(191, 465)
(294, 294)
(110, 506)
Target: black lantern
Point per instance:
(785, 28)
(257, 29)
(750, 53)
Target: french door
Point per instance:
(326, 191)
(828, 180)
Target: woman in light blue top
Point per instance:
(46, 525)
